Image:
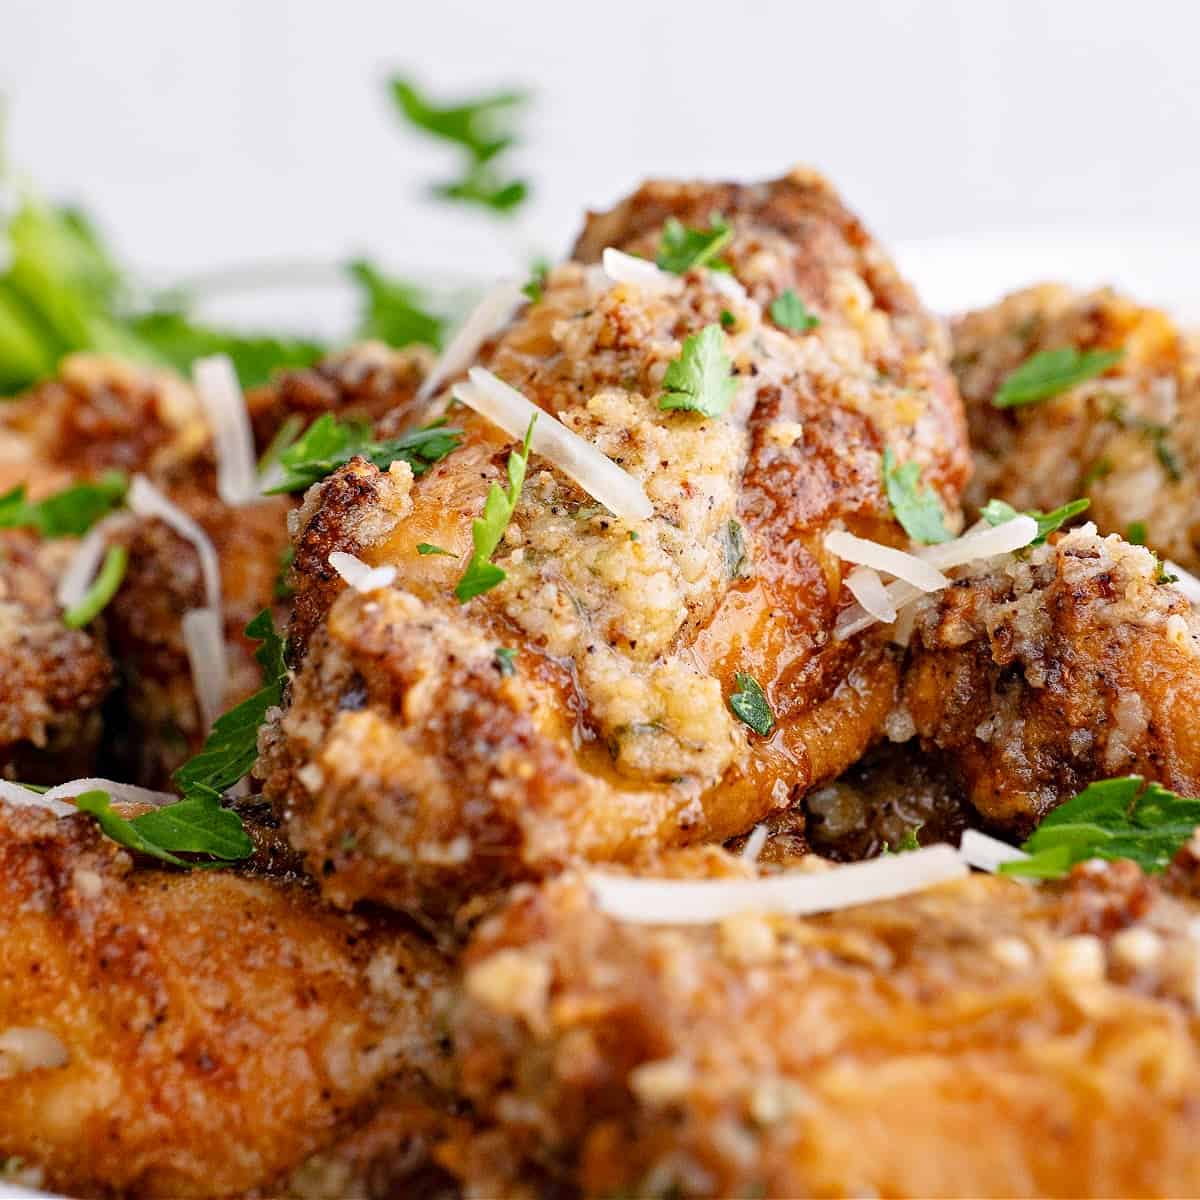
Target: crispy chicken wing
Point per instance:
(415, 767)
(203, 1034)
(983, 1038)
(1129, 439)
(1042, 672)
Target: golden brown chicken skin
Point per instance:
(1039, 673)
(982, 1038)
(202, 1034)
(53, 680)
(414, 767)
(1129, 439)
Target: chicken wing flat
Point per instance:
(1041, 672)
(203, 1034)
(984, 1038)
(1129, 438)
(417, 766)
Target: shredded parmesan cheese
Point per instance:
(81, 571)
(21, 797)
(220, 393)
(705, 901)
(597, 474)
(895, 562)
(987, 853)
(359, 575)
(204, 640)
(982, 543)
(147, 501)
(754, 844)
(867, 588)
(127, 793)
(627, 268)
(489, 316)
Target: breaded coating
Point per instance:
(982, 1038)
(1041, 672)
(102, 414)
(412, 767)
(1129, 440)
(53, 680)
(202, 1034)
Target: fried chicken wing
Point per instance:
(102, 414)
(53, 680)
(1040, 673)
(203, 1034)
(414, 766)
(1128, 439)
(983, 1038)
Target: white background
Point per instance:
(206, 134)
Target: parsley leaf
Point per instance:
(733, 545)
(482, 575)
(1114, 818)
(918, 509)
(537, 281)
(504, 660)
(69, 513)
(788, 312)
(908, 841)
(1051, 372)
(750, 704)
(997, 512)
(393, 310)
(1135, 534)
(700, 379)
(103, 589)
(189, 826)
(424, 548)
(681, 248)
(232, 745)
(482, 128)
(330, 443)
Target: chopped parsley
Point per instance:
(908, 841)
(103, 589)
(69, 513)
(232, 746)
(1135, 534)
(1051, 372)
(330, 443)
(917, 508)
(750, 705)
(997, 512)
(700, 379)
(1114, 818)
(789, 312)
(424, 548)
(728, 320)
(482, 129)
(482, 574)
(504, 660)
(682, 248)
(733, 542)
(283, 589)
(537, 281)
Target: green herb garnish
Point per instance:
(997, 512)
(481, 574)
(504, 660)
(482, 128)
(680, 248)
(69, 513)
(917, 508)
(788, 312)
(232, 747)
(733, 543)
(750, 704)
(1115, 818)
(394, 311)
(537, 281)
(728, 320)
(1135, 534)
(1050, 372)
(330, 443)
(103, 589)
(908, 841)
(425, 548)
(700, 379)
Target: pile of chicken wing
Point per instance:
(411, 986)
